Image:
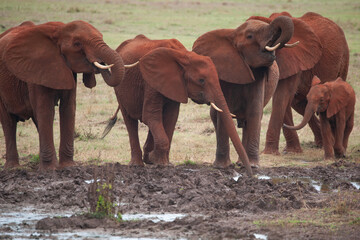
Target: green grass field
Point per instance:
(194, 138)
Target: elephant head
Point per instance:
(50, 54)
(321, 98)
(180, 74)
(245, 54)
(307, 54)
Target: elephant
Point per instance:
(248, 74)
(335, 103)
(166, 75)
(324, 52)
(38, 70)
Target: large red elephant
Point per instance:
(323, 51)
(38, 69)
(245, 61)
(151, 92)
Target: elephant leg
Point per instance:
(132, 128)
(291, 137)
(222, 156)
(67, 127)
(314, 122)
(148, 147)
(8, 123)
(160, 154)
(170, 117)
(282, 97)
(42, 102)
(348, 128)
(339, 135)
(327, 137)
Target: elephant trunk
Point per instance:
(281, 29)
(231, 131)
(110, 56)
(309, 111)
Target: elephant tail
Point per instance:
(111, 123)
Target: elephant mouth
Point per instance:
(269, 58)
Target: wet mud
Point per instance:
(176, 202)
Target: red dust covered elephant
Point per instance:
(335, 103)
(151, 92)
(38, 69)
(245, 61)
(323, 51)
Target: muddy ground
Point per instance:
(279, 203)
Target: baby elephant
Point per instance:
(335, 102)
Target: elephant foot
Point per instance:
(11, 164)
(222, 163)
(253, 163)
(292, 149)
(146, 158)
(269, 150)
(158, 158)
(45, 166)
(136, 163)
(64, 164)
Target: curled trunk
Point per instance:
(231, 131)
(109, 56)
(309, 111)
(281, 29)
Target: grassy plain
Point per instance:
(194, 138)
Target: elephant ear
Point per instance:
(338, 99)
(315, 81)
(33, 56)
(89, 80)
(162, 70)
(229, 64)
(302, 57)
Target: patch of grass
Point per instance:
(34, 158)
(189, 162)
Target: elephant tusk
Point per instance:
(270, 49)
(216, 107)
(291, 45)
(103, 66)
(233, 115)
(131, 65)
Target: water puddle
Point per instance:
(20, 222)
(167, 217)
(356, 185)
(260, 236)
(319, 186)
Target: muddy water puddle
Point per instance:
(318, 185)
(19, 223)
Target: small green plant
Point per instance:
(189, 162)
(34, 158)
(101, 196)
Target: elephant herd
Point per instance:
(236, 71)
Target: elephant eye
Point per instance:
(249, 36)
(77, 44)
(202, 81)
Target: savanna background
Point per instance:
(194, 138)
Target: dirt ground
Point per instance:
(278, 203)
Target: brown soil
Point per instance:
(215, 204)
